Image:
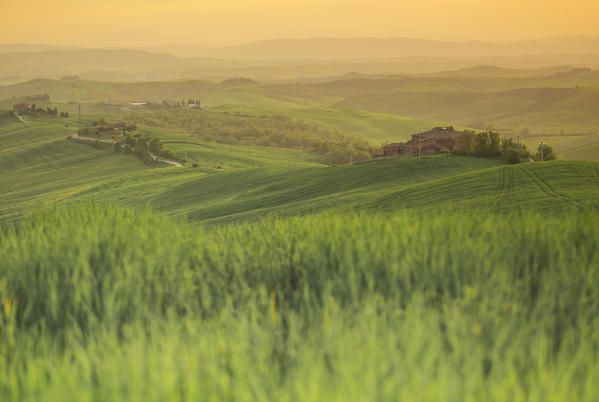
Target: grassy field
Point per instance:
(41, 167)
(104, 303)
(550, 110)
(377, 127)
(378, 108)
(587, 151)
(232, 183)
(259, 273)
(568, 147)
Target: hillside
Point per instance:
(550, 110)
(261, 274)
(241, 91)
(377, 127)
(549, 107)
(42, 169)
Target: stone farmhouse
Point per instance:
(439, 139)
(24, 108)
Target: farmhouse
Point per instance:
(439, 139)
(23, 108)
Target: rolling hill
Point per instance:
(42, 169)
(263, 269)
(550, 110)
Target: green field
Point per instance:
(379, 108)
(377, 127)
(105, 303)
(548, 110)
(230, 182)
(261, 273)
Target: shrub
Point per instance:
(487, 144)
(512, 152)
(167, 153)
(547, 153)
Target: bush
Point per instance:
(547, 153)
(84, 131)
(487, 144)
(167, 153)
(155, 145)
(512, 152)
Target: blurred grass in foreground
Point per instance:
(104, 303)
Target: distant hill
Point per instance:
(76, 60)
(363, 47)
(18, 48)
(303, 61)
(88, 90)
(550, 110)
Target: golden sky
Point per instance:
(218, 22)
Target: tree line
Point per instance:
(129, 142)
(489, 144)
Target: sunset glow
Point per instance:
(212, 22)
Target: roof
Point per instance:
(439, 132)
(400, 144)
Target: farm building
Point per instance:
(439, 139)
(24, 108)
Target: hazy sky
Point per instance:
(217, 22)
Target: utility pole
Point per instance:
(542, 144)
(79, 111)
(419, 140)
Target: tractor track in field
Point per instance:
(406, 172)
(502, 179)
(548, 189)
(436, 167)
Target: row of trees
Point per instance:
(102, 127)
(145, 147)
(176, 103)
(142, 146)
(489, 144)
